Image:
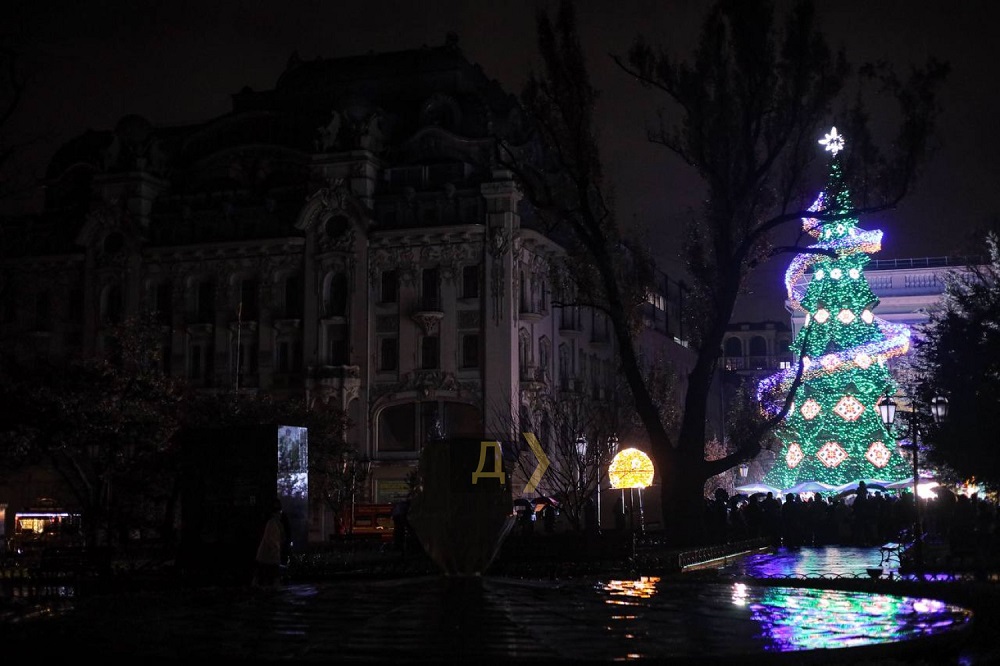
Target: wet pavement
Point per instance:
(701, 617)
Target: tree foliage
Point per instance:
(745, 112)
(104, 426)
(958, 357)
(109, 429)
(580, 435)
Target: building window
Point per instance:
(390, 287)
(430, 352)
(430, 286)
(244, 357)
(404, 428)
(293, 297)
(249, 307)
(388, 357)
(288, 356)
(196, 367)
(282, 361)
(470, 350)
(396, 428)
(565, 366)
(470, 282)
(43, 318)
(336, 296)
(164, 305)
(338, 344)
(205, 306)
(112, 305)
(76, 306)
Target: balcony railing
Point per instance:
(752, 363)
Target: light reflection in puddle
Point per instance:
(783, 619)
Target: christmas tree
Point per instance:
(833, 433)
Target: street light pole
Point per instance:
(939, 410)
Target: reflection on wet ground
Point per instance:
(657, 619)
(828, 561)
(472, 620)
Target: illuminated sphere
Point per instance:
(631, 468)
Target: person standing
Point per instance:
(271, 548)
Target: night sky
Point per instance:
(178, 61)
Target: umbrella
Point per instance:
(852, 486)
(907, 484)
(541, 502)
(811, 487)
(752, 488)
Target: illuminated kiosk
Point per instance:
(632, 469)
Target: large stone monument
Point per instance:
(461, 509)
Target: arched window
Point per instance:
(734, 347)
(524, 349)
(758, 346)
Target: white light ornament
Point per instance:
(832, 142)
(820, 274)
(867, 316)
(821, 316)
(845, 316)
(836, 274)
(854, 273)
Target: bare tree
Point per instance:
(749, 107)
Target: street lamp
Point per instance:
(744, 469)
(939, 410)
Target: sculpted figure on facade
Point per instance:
(329, 133)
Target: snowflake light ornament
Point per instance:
(833, 142)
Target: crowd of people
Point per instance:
(862, 518)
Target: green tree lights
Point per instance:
(832, 433)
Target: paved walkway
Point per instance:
(688, 618)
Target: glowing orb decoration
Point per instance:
(822, 315)
(794, 455)
(831, 454)
(845, 316)
(819, 273)
(836, 274)
(631, 468)
(854, 273)
(878, 454)
(867, 316)
(863, 360)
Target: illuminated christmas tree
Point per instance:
(833, 433)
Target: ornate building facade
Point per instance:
(344, 236)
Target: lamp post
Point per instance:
(939, 410)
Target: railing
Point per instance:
(738, 363)
(921, 262)
(711, 554)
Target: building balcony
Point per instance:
(756, 363)
(533, 378)
(429, 321)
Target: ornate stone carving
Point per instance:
(428, 320)
(499, 243)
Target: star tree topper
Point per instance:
(833, 142)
